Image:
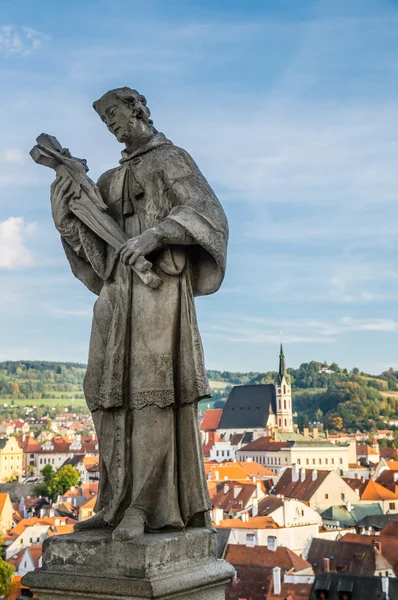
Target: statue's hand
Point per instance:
(142, 245)
(61, 195)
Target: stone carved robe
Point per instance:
(145, 369)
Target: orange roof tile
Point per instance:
(211, 419)
(36, 552)
(375, 491)
(393, 465)
(90, 503)
(251, 523)
(235, 471)
(3, 499)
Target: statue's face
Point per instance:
(119, 119)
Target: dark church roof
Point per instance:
(248, 407)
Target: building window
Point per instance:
(284, 404)
(279, 461)
(280, 404)
(284, 391)
(299, 461)
(320, 461)
(326, 496)
(343, 497)
(391, 506)
(285, 423)
(313, 461)
(326, 461)
(341, 461)
(307, 462)
(332, 461)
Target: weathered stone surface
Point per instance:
(147, 238)
(165, 566)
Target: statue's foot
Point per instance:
(202, 519)
(94, 522)
(131, 526)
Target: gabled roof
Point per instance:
(29, 445)
(392, 465)
(387, 543)
(211, 419)
(248, 407)
(233, 496)
(15, 559)
(375, 491)
(213, 437)
(300, 490)
(269, 504)
(90, 503)
(235, 471)
(344, 556)
(365, 450)
(3, 500)
(391, 529)
(266, 443)
(36, 552)
(260, 556)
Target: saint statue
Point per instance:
(146, 370)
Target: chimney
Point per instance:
(314, 475)
(284, 510)
(23, 437)
(377, 546)
(255, 507)
(277, 580)
(218, 515)
(272, 543)
(306, 432)
(302, 474)
(216, 475)
(244, 517)
(349, 506)
(315, 433)
(384, 586)
(226, 488)
(258, 485)
(326, 565)
(395, 477)
(295, 473)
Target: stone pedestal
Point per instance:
(91, 566)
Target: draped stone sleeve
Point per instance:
(89, 257)
(196, 208)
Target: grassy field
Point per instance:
(218, 386)
(389, 394)
(45, 402)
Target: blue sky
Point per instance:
(291, 111)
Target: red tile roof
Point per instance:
(211, 419)
(266, 443)
(300, 490)
(391, 529)
(36, 552)
(233, 496)
(29, 445)
(207, 446)
(375, 491)
(260, 556)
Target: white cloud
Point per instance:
(13, 252)
(296, 331)
(12, 155)
(22, 41)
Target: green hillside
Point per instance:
(341, 399)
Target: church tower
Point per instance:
(284, 414)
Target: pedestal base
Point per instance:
(91, 566)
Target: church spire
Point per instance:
(282, 364)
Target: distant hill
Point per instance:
(341, 399)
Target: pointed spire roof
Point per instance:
(282, 366)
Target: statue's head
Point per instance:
(125, 113)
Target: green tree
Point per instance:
(6, 575)
(47, 473)
(65, 478)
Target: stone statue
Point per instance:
(147, 238)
